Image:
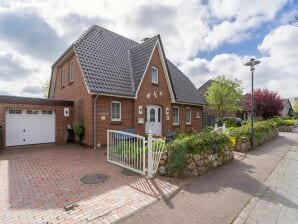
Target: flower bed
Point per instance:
(287, 125)
(195, 154)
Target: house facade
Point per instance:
(117, 83)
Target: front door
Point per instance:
(153, 119)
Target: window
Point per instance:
(46, 112)
(154, 75)
(176, 115)
(32, 111)
(71, 71)
(15, 111)
(159, 114)
(188, 115)
(152, 115)
(116, 111)
(62, 77)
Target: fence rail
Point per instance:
(133, 152)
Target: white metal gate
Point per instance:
(133, 152)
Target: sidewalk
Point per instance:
(277, 200)
(220, 195)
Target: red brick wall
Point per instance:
(103, 116)
(76, 91)
(61, 121)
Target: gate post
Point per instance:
(150, 160)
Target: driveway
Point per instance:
(219, 196)
(37, 181)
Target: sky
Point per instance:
(203, 38)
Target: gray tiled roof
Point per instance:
(185, 90)
(113, 64)
(140, 56)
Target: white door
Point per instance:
(154, 119)
(24, 127)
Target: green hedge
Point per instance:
(261, 128)
(194, 143)
(288, 122)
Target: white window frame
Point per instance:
(176, 123)
(63, 77)
(154, 68)
(71, 71)
(116, 119)
(186, 109)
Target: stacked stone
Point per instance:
(243, 144)
(199, 164)
(285, 128)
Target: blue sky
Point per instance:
(204, 38)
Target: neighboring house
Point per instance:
(288, 108)
(117, 83)
(210, 115)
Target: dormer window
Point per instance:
(154, 75)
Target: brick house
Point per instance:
(105, 81)
(117, 83)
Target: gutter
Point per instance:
(94, 121)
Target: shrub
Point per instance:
(196, 143)
(286, 122)
(79, 130)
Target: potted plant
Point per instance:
(79, 131)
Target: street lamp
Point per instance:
(252, 64)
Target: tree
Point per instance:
(295, 106)
(267, 104)
(45, 88)
(224, 95)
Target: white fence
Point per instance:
(133, 152)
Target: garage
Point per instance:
(26, 120)
(25, 127)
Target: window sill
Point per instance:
(62, 87)
(70, 83)
(188, 124)
(176, 125)
(154, 83)
(116, 122)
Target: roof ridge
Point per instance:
(144, 42)
(83, 35)
(131, 71)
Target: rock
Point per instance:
(189, 160)
(202, 170)
(162, 170)
(162, 162)
(210, 158)
(220, 162)
(165, 157)
(191, 166)
(200, 162)
(196, 157)
(195, 172)
(215, 164)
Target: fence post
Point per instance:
(150, 160)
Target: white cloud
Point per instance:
(278, 70)
(186, 28)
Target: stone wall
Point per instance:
(285, 128)
(243, 144)
(198, 164)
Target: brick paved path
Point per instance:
(37, 181)
(277, 200)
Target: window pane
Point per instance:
(175, 115)
(71, 71)
(152, 115)
(188, 115)
(154, 75)
(115, 110)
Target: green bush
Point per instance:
(193, 144)
(286, 122)
(79, 130)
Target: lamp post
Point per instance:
(252, 64)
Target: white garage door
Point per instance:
(24, 127)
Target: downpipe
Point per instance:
(94, 121)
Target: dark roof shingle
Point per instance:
(113, 64)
